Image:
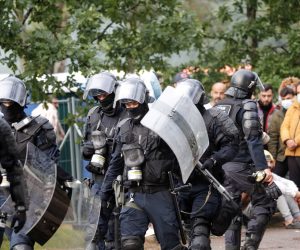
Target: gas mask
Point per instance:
(134, 158)
(99, 143)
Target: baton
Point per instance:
(217, 185)
(177, 210)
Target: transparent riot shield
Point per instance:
(57, 216)
(40, 175)
(178, 122)
(79, 228)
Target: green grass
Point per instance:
(65, 238)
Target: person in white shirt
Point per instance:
(287, 202)
(50, 111)
(216, 93)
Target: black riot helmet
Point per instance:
(193, 89)
(243, 83)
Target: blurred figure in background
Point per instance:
(275, 145)
(50, 111)
(290, 136)
(266, 107)
(217, 93)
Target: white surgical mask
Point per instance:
(298, 98)
(286, 103)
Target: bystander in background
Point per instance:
(275, 145)
(217, 93)
(266, 107)
(49, 110)
(290, 136)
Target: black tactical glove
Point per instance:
(19, 219)
(88, 150)
(273, 191)
(209, 164)
(17, 185)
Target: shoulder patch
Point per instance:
(225, 108)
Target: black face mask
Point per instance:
(107, 105)
(13, 113)
(138, 113)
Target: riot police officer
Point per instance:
(99, 132)
(11, 164)
(36, 130)
(202, 201)
(144, 159)
(250, 157)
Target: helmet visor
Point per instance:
(131, 90)
(99, 84)
(191, 89)
(13, 90)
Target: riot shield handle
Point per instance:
(174, 191)
(217, 185)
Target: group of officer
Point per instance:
(143, 160)
(119, 147)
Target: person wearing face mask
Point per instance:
(97, 144)
(275, 145)
(144, 160)
(290, 136)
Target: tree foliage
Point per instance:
(265, 30)
(47, 36)
(89, 36)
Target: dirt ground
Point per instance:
(276, 237)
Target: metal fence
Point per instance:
(70, 159)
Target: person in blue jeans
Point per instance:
(144, 160)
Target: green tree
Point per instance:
(47, 36)
(265, 30)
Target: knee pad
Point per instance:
(132, 243)
(200, 235)
(223, 220)
(200, 243)
(22, 247)
(236, 224)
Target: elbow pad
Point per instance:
(251, 123)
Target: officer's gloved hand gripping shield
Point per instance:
(45, 210)
(57, 216)
(175, 118)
